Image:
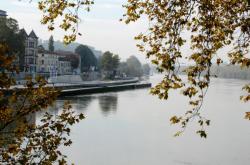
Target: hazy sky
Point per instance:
(101, 27)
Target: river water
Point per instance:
(132, 128)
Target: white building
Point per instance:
(65, 67)
(47, 62)
(53, 64)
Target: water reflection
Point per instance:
(79, 103)
(132, 127)
(108, 103)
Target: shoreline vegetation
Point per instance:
(225, 72)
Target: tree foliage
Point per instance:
(13, 37)
(212, 25)
(23, 141)
(75, 61)
(109, 61)
(134, 67)
(40, 48)
(67, 10)
(88, 58)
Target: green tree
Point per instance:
(88, 58)
(12, 36)
(74, 60)
(40, 48)
(115, 61)
(123, 68)
(51, 44)
(109, 64)
(106, 61)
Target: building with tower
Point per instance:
(31, 51)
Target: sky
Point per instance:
(100, 27)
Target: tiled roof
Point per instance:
(33, 35)
(22, 31)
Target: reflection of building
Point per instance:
(31, 42)
(3, 13)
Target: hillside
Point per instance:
(71, 47)
(227, 71)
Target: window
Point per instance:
(31, 61)
(31, 44)
(42, 62)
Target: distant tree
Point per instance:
(40, 48)
(134, 67)
(74, 60)
(99, 60)
(146, 69)
(109, 64)
(51, 44)
(12, 36)
(88, 58)
(106, 61)
(115, 61)
(123, 69)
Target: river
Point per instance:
(132, 128)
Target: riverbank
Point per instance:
(89, 87)
(102, 89)
(84, 84)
